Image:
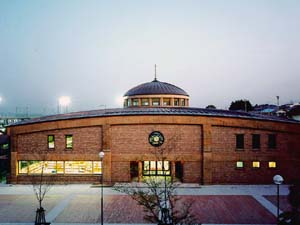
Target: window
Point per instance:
(255, 141)
(155, 101)
(135, 102)
(59, 167)
(239, 164)
(69, 141)
(176, 101)
(272, 164)
(240, 141)
(255, 164)
(156, 168)
(167, 101)
(128, 102)
(182, 102)
(51, 143)
(145, 101)
(272, 141)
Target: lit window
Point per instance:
(167, 101)
(69, 141)
(239, 164)
(51, 143)
(156, 168)
(78, 167)
(255, 141)
(129, 102)
(135, 102)
(155, 101)
(145, 101)
(60, 167)
(240, 141)
(272, 141)
(23, 167)
(97, 167)
(272, 164)
(183, 102)
(255, 164)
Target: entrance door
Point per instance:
(179, 170)
(156, 168)
(134, 170)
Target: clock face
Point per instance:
(156, 139)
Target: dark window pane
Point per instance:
(240, 141)
(272, 141)
(255, 141)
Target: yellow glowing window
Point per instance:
(23, 167)
(97, 167)
(167, 101)
(60, 167)
(255, 164)
(78, 167)
(239, 164)
(69, 141)
(272, 164)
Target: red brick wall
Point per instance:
(130, 143)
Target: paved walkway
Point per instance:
(80, 204)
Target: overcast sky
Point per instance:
(94, 51)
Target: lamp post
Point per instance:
(277, 179)
(101, 155)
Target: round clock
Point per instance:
(156, 138)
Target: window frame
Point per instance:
(66, 142)
(272, 141)
(48, 142)
(237, 145)
(256, 141)
(256, 167)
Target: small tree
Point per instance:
(157, 195)
(244, 105)
(41, 186)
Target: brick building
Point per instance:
(156, 134)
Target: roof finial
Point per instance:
(155, 78)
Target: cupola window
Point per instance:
(155, 101)
(145, 101)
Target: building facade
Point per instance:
(156, 134)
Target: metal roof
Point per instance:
(184, 111)
(155, 87)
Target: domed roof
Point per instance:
(156, 87)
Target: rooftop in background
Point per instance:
(183, 111)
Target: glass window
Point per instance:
(155, 101)
(182, 102)
(97, 168)
(69, 141)
(255, 164)
(135, 102)
(49, 167)
(239, 164)
(167, 101)
(60, 167)
(129, 102)
(272, 164)
(240, 141)
(145, 101)
(176, 101)
(23, 167)
(255, 141)
(51, 141)
(272, 141)
(156, 168)
(78, 167)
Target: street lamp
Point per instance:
(277, 179)
(101, 155)
(64, 101)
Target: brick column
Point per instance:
(106, 139)
(173, 170)
(207, 154)
(140, 171)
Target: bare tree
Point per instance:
(41, 186)
(157, 195)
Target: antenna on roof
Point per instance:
(155, 78)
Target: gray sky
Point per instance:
(94, 51)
